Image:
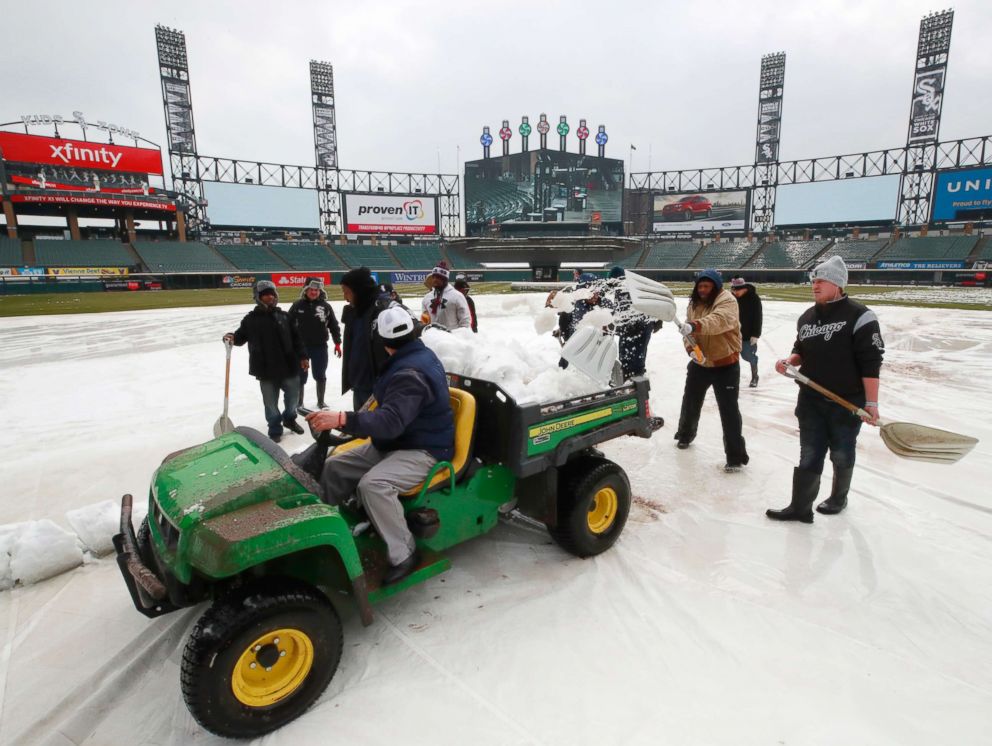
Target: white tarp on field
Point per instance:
(706, 624)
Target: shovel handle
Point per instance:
(793, 372)
(696, 353)
(227, 374)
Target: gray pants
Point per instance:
(377, 477)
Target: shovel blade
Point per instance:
(223, 426)
(923, 443)
(592, 352)
(650, 298)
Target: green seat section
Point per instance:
(926, 248)
(181, 256)
(462, 260)
(366, 255)
(307, 256)
(11, 254)
(417, 256)
(252, 257)
(670, 254)
(787, 254)
(855, 251)
(725, 254)
(92, 253)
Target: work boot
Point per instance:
(396, 573)
(805, 485)
(294, 426)
(321, 388)
(838, 495)
(754, 378)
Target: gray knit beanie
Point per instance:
(832, 270)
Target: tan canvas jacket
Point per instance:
(717, 330)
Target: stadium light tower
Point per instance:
(771, 88)
(929, 76)
(325, 138)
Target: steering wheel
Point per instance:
(326, 438)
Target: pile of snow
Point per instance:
(975, 296)
(95, 525)
(36, 550)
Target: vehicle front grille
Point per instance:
(170, 534)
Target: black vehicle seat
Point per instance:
(463, 410)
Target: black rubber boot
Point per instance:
(300, 402)
(805, 485)
(838, 495)
(321, 388)
(754, 376)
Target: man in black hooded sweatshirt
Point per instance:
(364, 353)
(313, 318)
(275, 355)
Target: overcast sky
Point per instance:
(415, 80)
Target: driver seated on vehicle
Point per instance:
(410, 430)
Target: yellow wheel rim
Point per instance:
(273, 667)
(603, 510)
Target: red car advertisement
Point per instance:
(714, 211)
(52, 151)
(297, 279)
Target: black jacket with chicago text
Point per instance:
(840, 343)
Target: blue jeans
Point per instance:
(825, 426)
(318, 364)
(270, 400)
(749, 352)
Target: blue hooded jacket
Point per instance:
(713, 276)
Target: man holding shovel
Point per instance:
(838, 344)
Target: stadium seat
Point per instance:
(366, 255)
(90, 253)
(252, 257)
(670, 255)
(855, 250)
(786, 254)
(307, 256)
(181, 256)
(928, 248)
(417, 256)
(725, 255)
(11, 254)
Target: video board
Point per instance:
(255, 206)
(681, 212)
(543, 185)
(407, 214)
(864, 200)
(964, 194)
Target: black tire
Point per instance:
(593, 505)
(222, 648)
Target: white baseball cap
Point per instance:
(395, 325)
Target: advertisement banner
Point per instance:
(963, 195)
(30, 271)
(714, 211)
(52, 151)
(928, 93)
(7, 272)
(417, 277)
(86, 199)
(372, 213)
(297, 279)
(74, 271)
(920, 265)
(769, 129)
(239, 281)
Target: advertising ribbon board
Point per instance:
(920, 265)
(53, 151)
(86, 199)
(239, 281)
(298, 279)
(75, 271)
(416, 277)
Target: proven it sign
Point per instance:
(53, 151)
(378, 213)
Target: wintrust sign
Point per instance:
(373, 213)
(50, 151)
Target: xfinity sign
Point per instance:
(388, 214)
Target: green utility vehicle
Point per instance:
(240, 524)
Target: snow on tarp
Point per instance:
(95, 525)
(36, 550)
(706, 623)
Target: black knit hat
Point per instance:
(359, 279)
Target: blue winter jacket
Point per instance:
(413, 411)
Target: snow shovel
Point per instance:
(224, 424)
(655, 300)
(594, 353)
(904, 439)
